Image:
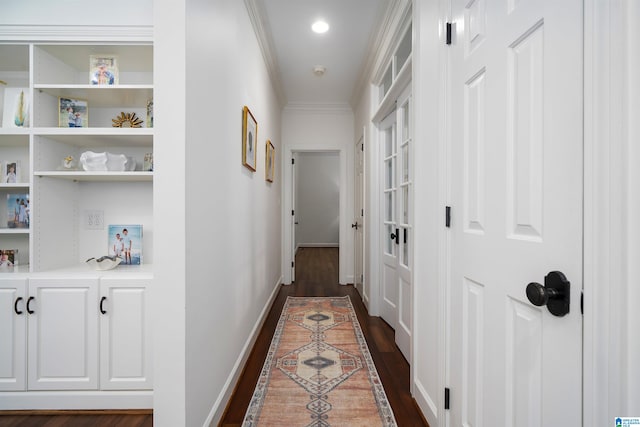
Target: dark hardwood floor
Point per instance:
(76, 419)
(317, 275)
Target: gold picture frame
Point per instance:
(249, 139)
(269, 162)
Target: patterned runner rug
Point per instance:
(319, 371)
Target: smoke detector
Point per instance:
(319, 70)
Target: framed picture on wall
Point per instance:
(269, 163)
(73, 113)
(249, 139)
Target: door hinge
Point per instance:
(293, 161)
(449, 28)
(447, 216)
(361, 212)
(293, 212)
(293, 264)
(446, 398)
(362, 147)
(581, 302)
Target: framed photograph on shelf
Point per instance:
(8, 258)
(11, 172)
(150, 113)
(125, 241)
(103, 69)
(18, 210)
(73, 113)
(249, 139)
(269, 163)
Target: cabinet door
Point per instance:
(63, 334)
(125, 339)
(13, 338)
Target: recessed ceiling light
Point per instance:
(320, 27)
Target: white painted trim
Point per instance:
(610, 211)
(319, 108)
(317, 245)
(81, 399)
(287, 243)
(86, 33)
(218, 408)
(262, 30)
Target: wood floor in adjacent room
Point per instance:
(317, 275)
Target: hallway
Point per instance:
(317, 275)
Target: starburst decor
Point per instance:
(127, 120)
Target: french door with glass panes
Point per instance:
(396, 290)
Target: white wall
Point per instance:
(320, 129)
(317, 199)
(227, 218)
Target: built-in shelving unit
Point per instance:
(58, 196)
(73, 336)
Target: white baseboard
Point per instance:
(317, 245)
(426, 404)
(76, 400)
(217, 411)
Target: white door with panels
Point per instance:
(397, 292)
(358, 217)
(516, 153)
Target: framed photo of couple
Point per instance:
(103, 69)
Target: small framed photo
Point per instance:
(73, 113)
(103, 69)
(269, 163)
(249, 139)
(150, 113)
(125, 241)
(18, 210)
(8, 259)
(11, 172)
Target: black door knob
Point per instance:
(555, 293)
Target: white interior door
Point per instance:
(516, 197)
(397, 292)
(293, 222)
(404, 136)
(358, 217)
(390, 230)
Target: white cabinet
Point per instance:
(63, 334)
(125, 337)
(13, 338)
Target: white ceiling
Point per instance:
(295, 50)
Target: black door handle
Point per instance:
(15, 306)
(396, 236)
(555, 293)
(29, 305)
(356, 225)
(102, 300)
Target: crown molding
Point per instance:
(265, 41)
(391, 24)
(73, 33)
